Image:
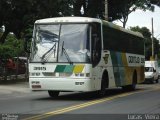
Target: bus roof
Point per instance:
(111, 25)
(84, 20)
(67, 20)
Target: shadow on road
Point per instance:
(85, 96)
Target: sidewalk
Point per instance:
(12, 87)
(12, 77)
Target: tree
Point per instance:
(148, 41)
(155, 2)
(14, 16)
(11, 48)
(132, 6)
(17, 15)
(91, 8)
(117, 9)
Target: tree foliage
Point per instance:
(18, 16)
(126, 7)
(148, 41)
(11, 48)
(155, 2)
(117, 9)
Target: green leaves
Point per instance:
(148, 41)
(11, 48)
(19, 15)
(6, 51)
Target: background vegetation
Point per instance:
(18, 16)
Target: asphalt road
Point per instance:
(17, 101)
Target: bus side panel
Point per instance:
(136, 62)
(119, 70)
(124, 67)
(104, 65)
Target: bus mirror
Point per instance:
(154, 70)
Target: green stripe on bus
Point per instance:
(60, 68)
(69, 69)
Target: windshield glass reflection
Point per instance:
(48, 39)
(45, 43)
(76, 43)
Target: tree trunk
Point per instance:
(124, 24)
(125, 19)
(2, 39)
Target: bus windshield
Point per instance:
(61, 43)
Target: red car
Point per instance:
(16, 66)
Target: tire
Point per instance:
(151, 81)
(53, 94)
(104, 85)
(157, 81)
(102, 91)
(131, 87)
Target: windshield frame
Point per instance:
(149, 69)
(58, 47)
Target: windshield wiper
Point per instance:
(44, 55)
(66, 54)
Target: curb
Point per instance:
(5, 82)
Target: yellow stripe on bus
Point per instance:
(78, 68)
(127, 70)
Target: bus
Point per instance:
(84, 54)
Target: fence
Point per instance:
(13, 69)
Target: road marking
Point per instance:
(83, 105)
(75, 107)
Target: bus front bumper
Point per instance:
(62, 84)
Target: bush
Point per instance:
(11, 48)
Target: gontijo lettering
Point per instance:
(135, 59)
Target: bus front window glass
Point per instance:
(74, 39)
(45, 43)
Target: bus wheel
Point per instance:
(133, 85)
(104, 85)
(134, 82)
(53, 93)
(151, 81)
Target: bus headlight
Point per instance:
(82, 74)
(87, 74)
(79, 74)
(65, 74)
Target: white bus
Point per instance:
(84, 54)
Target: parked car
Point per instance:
(158, 72)
(16, 65)
(151, 71)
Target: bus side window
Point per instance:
(96, 44)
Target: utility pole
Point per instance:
(152, 40)
(106, 10)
